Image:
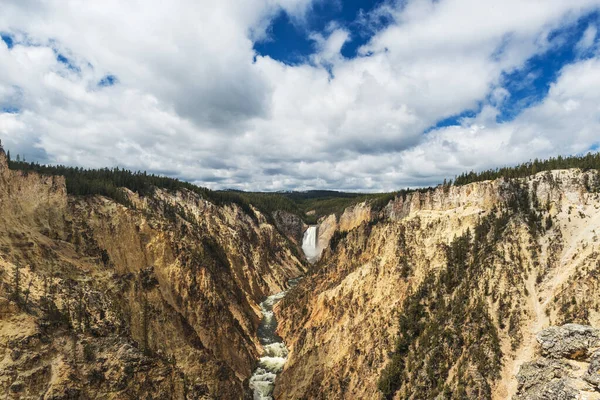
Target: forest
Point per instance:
(109, 182)
(584, 162)
(310, 206)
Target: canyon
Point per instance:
(158, 300)
(442, 293)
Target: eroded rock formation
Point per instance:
(568, 369)
(159, 300)
(442, 293)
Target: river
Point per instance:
(275, 354)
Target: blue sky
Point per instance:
(287, 38)
(301, 94)
(288, 42)
(529, 84)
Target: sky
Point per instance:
(299, 94)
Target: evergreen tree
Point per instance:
(590, 161)
(17, 285)
(145, 325)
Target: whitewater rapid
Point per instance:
(275, 354)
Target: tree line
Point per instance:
(109, 182)
(584, 162)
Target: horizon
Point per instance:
(450, 181)
(352, 96)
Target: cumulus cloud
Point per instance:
(588, 39)
(191, 98)
(566, 122)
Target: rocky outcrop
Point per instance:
(325, 230)
(568, 369)
(440, 295)
(354, 216)
(290, 225)
(545, 379)
(592, 376)
(156, 300)
(570, 341)
(351, 218)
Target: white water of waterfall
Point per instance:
(309, 244)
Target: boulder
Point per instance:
(540, 372)
(554, 390)
(592, 375)
(555, 376)
(570, 341)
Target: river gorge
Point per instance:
(275, 352)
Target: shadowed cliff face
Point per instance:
(290, 225)
(99, 300)
(441, 295)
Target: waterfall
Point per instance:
(309, 243)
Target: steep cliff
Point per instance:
(352, 217)
(156, 300)
(441, 294)
(291, 225)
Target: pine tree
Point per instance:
(145, 324)
(17, 286)
(27, 292)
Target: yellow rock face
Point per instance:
(341, 323)
(113, 302)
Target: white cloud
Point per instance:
(588, 39)
(329, 49)
(194, 100)
(566, 122)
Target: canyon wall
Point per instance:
(351, 218)
(99, 300)
(448, 293)
(442, 293)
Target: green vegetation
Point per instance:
(325, 202)
(445, 325)
(336, 238)
(309, 205)
(586, 162)
(110, 183)
(267, 203)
